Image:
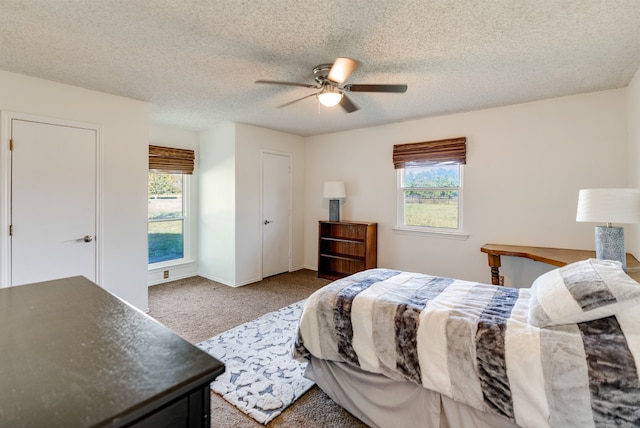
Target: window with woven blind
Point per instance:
(427, 153)
(168, 202)
(170, 160)
(430, 185)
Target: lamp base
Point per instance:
(610, 244)
(334, 210)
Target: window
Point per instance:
(430, 184)
(166, 216)
(169, 171)
(431, 196)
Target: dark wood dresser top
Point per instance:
(72, 354)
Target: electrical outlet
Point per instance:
(501, 279)
(166, 274)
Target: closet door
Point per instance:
(276, 213)
(53, 201)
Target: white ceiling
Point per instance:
(196, 62)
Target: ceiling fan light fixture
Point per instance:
(330, 80)
(329, 96)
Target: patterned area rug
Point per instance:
(260, 378)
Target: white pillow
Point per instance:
(581, 291)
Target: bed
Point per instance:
(402, 349)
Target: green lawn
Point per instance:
(165, 241)
(433, 215)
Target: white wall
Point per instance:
(181, 139)
(124, 123)
(632, 237)
(217, 201)
(230, 206)
(525, 165)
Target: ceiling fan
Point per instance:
(330, 80)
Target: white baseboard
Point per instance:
(179, 271)
(221, 281)
(155, 276)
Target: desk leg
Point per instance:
(494, 263)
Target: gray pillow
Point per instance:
(581, 291)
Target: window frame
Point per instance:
(457, 233)
(186, 229)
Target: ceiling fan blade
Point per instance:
(342, 69)
(347, 104)
(295, 101)
(376, 88)
(277, 82)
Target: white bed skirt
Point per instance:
(382, 402)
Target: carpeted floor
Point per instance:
(197, 309)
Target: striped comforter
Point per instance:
(472, 343)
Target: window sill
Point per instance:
(458, 235)
(168, 263)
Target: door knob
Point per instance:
(87, 238)
(268, 221)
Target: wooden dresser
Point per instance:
(74, 355)
(346, 247)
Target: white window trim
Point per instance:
(435, 232)
(186, 229)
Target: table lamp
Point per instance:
(334, 191)
(609, 206)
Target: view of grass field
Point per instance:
(444, 214)
(165, 241)
(431, 195)
(165, 234)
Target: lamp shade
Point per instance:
(329, 96)
(334, 190)
(609, 205)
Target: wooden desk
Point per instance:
(74, 355)
(553, 256)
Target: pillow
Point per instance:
(581, 291)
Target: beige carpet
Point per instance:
(197, 309)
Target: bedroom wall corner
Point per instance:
(217, 204)
(230, 249)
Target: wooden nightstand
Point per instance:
(346, 247)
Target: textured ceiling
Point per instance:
(196, 62)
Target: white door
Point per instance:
(53, 202)
(276, 208)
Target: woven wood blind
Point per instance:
(452, 150)
(169, 160)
